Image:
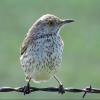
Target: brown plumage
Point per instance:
(26, 42)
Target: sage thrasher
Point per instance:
(41, 50)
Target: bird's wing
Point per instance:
(26, 42)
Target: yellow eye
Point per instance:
(50, 23)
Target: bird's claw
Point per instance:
(26, 89)
(61, 89)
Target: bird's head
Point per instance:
(51, 23)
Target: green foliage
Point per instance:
(81, 58)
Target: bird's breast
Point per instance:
(49, 51)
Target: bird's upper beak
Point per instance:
(66, 21)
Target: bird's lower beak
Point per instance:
(67, 21)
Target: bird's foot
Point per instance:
(61, 89)
(26, 89)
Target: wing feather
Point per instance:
(26, 42)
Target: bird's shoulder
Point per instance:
(26, 42)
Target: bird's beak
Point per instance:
(66, 21)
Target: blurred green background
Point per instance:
(81, 58)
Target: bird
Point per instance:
(41, 50)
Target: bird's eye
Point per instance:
(50, 23)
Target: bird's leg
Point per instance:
(61, 88)
(27, 87)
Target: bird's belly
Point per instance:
(47, 68)
(42, 75)
(43, 61)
